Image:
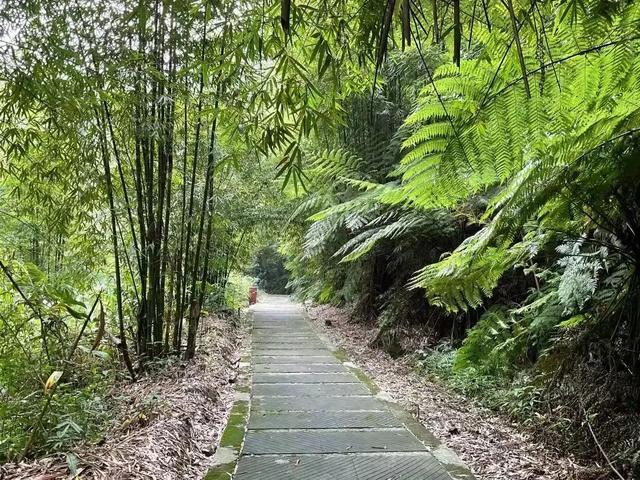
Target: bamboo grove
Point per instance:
(141, 88)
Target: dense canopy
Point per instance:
(470, 168)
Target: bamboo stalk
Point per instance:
(457, 32)
(516, 34)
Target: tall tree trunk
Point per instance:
(196, 299)
(457, 32)
(169, 128)
(122, 345)
(196, 147)
(406, 23)
(516, 36)
(167, 324)
(194, 304)
(141, 166)
(179, 310)
(153, 195)
(436, 29)
(164, 148)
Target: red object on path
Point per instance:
(253, 295)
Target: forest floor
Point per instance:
(490, 444)
(165, 426)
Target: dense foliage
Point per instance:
(465, 167)
(492, 201)
(270, 271)
(134, 193)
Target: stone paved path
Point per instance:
(311, 418)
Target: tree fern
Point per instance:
(390, 226)
(474, 129)
(580, 277)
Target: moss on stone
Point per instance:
(243, 388)
(221, 472)
(232, 436)
(366, 379)
(240, 408)
(341, 355)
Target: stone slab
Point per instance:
(329, 441)
(280, 333)
(260, 346)
(297, 368)
(282, 337)
(274, 359)
(260, 339)
(304, 378)
(308, 390)
(296, 332)
(297, 326)
(412, 466)
(321, 404)
(286, 333)
(290, 351)
(267, 338)
(322, 420)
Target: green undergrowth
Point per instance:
(518, 394)
(75, 413)
(506, 360)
